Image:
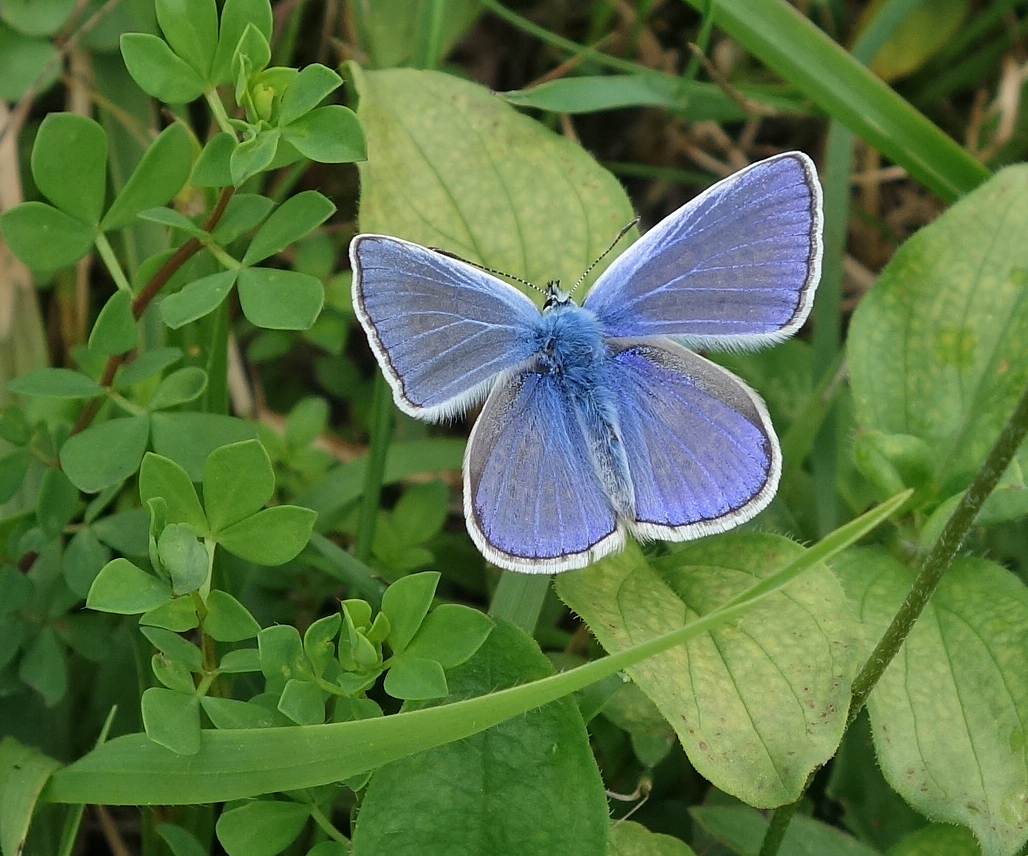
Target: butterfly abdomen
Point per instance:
(574, 353)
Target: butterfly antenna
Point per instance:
(504, 274)
(631, 225)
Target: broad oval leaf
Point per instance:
(458, 168)
(758, 704)
(197, 299)
(160, 174)
(69, 164)
(44, 237)
(261, 828)
(270, 537)
(161, 477)
(948, 715)
(188, 438)
(115, 329)
(55, 383)
(280, 299)
(158, 70)
(122, 588)
(493, 789)
(936, 348)
(292, 220)
(105, 453)
(237, 481)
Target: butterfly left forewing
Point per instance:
(532, 498)
(702, 455)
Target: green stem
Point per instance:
(381, 435)
(519, 599)
(942, 552)
(110, 260)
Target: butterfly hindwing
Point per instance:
(441, 328)
(735, 267)
(702, 454)
(532, 498)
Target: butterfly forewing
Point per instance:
(441, 329)
(735, 267)
(702, 454)
(532, 499)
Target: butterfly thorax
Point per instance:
(570, 344)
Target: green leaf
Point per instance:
(292, 220)
(329, 134)
(183, 557)
(949, 709)
(178, 388)
(188, 438)
(130, 770)
(174, 647)
(158, 70)
(115, 329)
(474, 176)
(172, 720)
(83, 560)
(795, 48)
(628, 838)
(235, 16)
(243, 212)
(282, 656)
(29, 64)
(261, 828)
(758, 705)
(450, 634)
(197, 299)
(45, 238)
(253, 155)
(237, 481)
(280, 299)
(56, 503)
(936, 348)
(319, 641)
(491, 788)
(938, 839)
(415, 679)
(181, 842)
(741, 829)
(55, 383)
(178, 615)
(161, 477)
(43, 667)
(172, 674)
(240, 660)
(105, 453)
(24, 771)
(160, 174)
(191, 28)
(406, 603)
(37, 19)
(270, 537)
(69, 165)
(310, 87)
(122, 588)
(920, 34)
(13, 467)
(232, 713)
(212, 166)
(227, 619)
(173, 220)
(593, 93)
(146, 365)
(302, 702)
(421, 512)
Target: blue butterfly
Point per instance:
(599, 420)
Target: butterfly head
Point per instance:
(555, 296)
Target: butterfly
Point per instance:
(601, 419)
